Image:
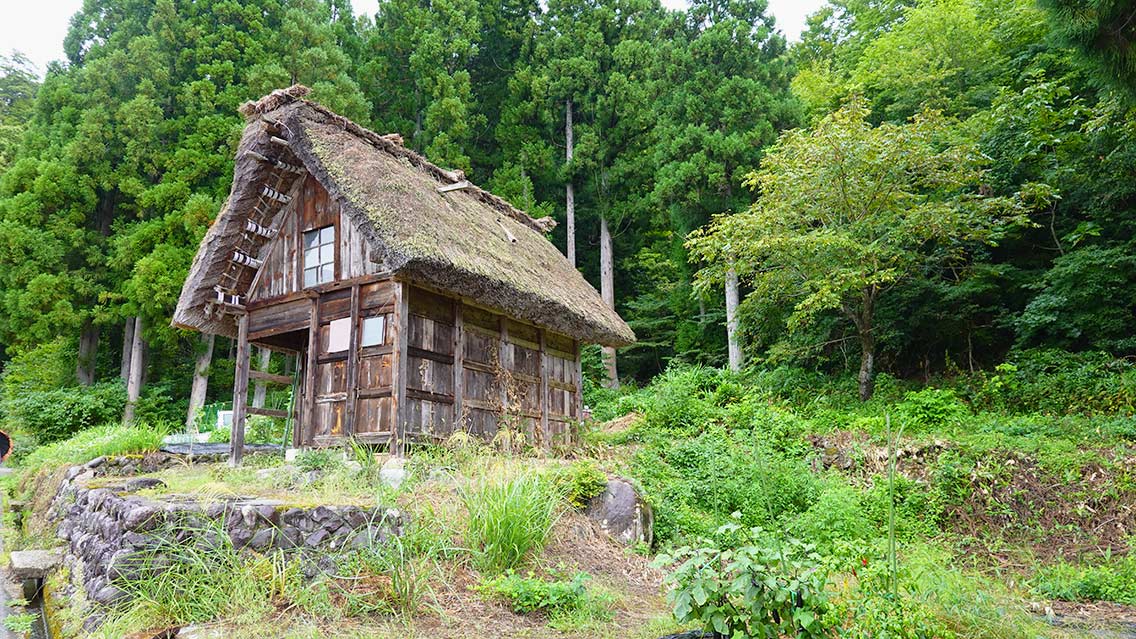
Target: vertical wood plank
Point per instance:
(579, 382)
(503, 364)
(352, 365)
(459, 365)
(399, 365)
(240, 393)
(545, 434)
(297, 400)
(308, 424)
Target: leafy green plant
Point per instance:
(509, 518)
(579, 481)
(931, 408)
(528, 593)
(54, 415)
(112, 439)
(20, 622)
(321, 459)
(767, 588)
(1112, 579)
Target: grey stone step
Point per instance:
(33, 564)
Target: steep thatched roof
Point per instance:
(466, 241)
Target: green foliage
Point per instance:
(110, 439)
(528, 593)
(1112, 579)
(1059, 382)
(578, 482)
(765, 588)
(321, 459)
(930, 408)
(50, 416)
(21, 622)
(509, 518)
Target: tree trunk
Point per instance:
(732, 341)
(134, 383)
(867, 365)
(607, 291)
(88, 349)
(200, 382)
(127, 344)
(259, 390)
(569, 188)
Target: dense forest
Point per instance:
(917, 187)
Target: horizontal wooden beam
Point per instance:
(267, 412)
(283, 166)
(427, 396)
(269, 377)
(457, 186)
(422, 353)
(246, 260)
(373, 393)
(256, 229)
(273, 194)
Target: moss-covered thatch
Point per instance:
(467, 241)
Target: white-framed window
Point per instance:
(319, 256)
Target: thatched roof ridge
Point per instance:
(465, 241)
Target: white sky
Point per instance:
(37, 27)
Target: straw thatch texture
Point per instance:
(467, 242)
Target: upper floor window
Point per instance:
(319, 256)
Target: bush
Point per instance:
(510, 518)
(1059, 382)
(578, 482)
(1114, 579)
(930, 408)
(761, 589)
(322, 459)
(53, 415)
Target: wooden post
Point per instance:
(459, 364)
(200, 381)
(297, 400)
(503, 364)
(399, 365)
(260, 389)
(240, 393)
(352, 366)
(545, 434)
(308, 424)
(134, 383)
(579, 382)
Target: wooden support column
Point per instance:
(459, 365)
(308, 424)
(579, 381)
(240, 393)
(503, 364)
(399, 365)
(352, 366)
(545, 434)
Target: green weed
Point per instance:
(510, 517)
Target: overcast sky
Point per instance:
(37, 27)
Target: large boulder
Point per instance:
(622, 513)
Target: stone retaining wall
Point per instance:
(114, 533)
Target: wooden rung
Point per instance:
(269, 377)
(246, 260)
(273, 194)
(283, 166)
(267, 412)
(229, 300)
(256, 229)
(464, 184)
(280, 141)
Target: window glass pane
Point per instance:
(311, 258)
(339, 335)
(374, 329)
(327, 273)
(327, 235)
(310, 276)
(327, 254)
(311, 239)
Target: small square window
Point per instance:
(319, 256)
(338, 335)
(374, 330)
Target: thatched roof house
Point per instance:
(416, 302)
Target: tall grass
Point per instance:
(510, 518)
(109, 439)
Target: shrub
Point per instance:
(53, 415)
(1114, 579)
(322, 459)
(761, 589)
(1060, 382)
(930, 408)
(510, 518)
(578, 482)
